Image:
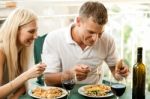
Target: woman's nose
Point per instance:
(35, 36)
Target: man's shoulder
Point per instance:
(57, 35)
(107, 36)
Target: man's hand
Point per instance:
(81, 71)
(121, 70)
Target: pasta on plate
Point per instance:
(96, 90)
(47, 93)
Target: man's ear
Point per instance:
(78, 21)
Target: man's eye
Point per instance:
(99, 35)
(91, 32)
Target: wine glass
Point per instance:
(68, 80)
(118, 87)
(43, 57)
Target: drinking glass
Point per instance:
(43, 57)
(118, 87)
(68, 81)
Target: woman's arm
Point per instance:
(7, 88)
(13, 85)
(19, 92)
(20, 80)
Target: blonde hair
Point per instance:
(16, 62)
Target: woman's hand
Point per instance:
(35, 71)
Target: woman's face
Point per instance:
(27, 33)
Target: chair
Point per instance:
(38, 45)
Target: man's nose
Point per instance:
(94, 37)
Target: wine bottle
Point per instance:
(139, 71)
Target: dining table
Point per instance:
(74, 94)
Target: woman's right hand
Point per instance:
(35, 71)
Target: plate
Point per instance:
(81, 91)
(64, 92)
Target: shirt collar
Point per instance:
(69, 39)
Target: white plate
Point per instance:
(81, 91)
(64, 92)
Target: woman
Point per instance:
(16, 36)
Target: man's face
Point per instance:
(89, 31)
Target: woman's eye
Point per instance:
(32, 31)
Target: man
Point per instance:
(82, 48)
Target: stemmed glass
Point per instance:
(118, 87)
(43, 57)
(68, 80)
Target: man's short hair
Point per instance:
(96, 10)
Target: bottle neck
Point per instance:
(139, 58)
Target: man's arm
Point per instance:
(81, 72)
(52, 78)
(112, 69)
(119, 70)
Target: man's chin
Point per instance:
(90, 44)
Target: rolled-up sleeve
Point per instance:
(112, 56)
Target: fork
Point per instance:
(42, 76)
(97, 70)
(98, 73)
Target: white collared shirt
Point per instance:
(62, 53)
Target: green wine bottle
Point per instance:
(139, 71)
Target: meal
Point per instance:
(49, 93)
(97, 90)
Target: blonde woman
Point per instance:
(16, 36)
